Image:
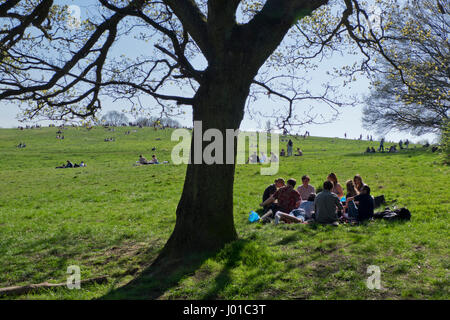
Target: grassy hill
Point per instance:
(112, 219)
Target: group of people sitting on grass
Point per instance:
(21, 145)
(282, 202)
(144, 161)
(69, 164)
(298, 153)
(392, 149)
(255, 158)
(290, 150)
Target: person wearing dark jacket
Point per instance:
(270, 190)
(365, 204)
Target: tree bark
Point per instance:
(205, 220)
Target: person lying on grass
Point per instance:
(365, 205)
(288, 200)
(69, 164)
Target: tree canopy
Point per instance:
(412, 93)
(114, 118)
(59, 72)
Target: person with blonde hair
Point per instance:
(351, 189)
(350, 207)
(337, 188)
(359, 184)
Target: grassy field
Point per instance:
(112, 219)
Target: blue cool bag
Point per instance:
(253, 217)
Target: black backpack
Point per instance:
(396, 215)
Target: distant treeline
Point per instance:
(118, 119)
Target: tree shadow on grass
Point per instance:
(231, 259)
(154, 281)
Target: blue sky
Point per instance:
(349, 120)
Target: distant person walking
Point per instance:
(290, 147)
(381, 148)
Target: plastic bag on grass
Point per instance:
(253, 217)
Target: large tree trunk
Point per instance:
(205, 212)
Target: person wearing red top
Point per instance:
(288, 199)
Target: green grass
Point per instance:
(112, 219)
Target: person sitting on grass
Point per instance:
(326, 205)
(351, 189)
(253, 158)
(337, 188)
(308, 206)
(299, 153)
(263, 158)
(273, 157)
(368, 150)
(282, 153)
(349, 208)
(154, 160)
(393, 149)
(365, 204)
(143, 160)
(270, 190)
(288, 199)
(306, 189)
(358, 183)
(372, 150)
